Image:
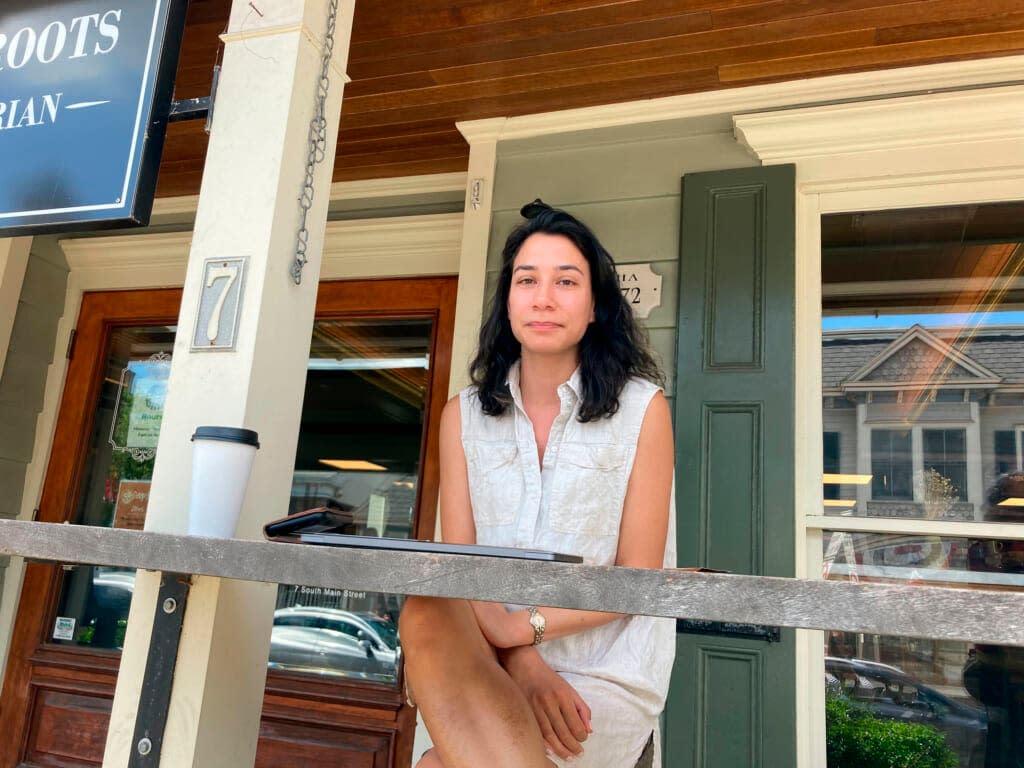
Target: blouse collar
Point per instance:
(571, 389)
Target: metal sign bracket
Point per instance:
(151, 716)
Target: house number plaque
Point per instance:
(641, 288)
(220, 300)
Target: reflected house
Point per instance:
(918, 423)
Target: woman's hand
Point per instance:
(502, 628)
(563, 716)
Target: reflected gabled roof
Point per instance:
(916, 357)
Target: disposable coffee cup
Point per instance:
(221, 465)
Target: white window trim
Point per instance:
(891, 153)
(1018, 444)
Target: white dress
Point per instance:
(573, 504)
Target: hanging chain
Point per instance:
(317, 144)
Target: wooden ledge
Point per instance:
(930, 612)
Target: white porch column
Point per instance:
(13, 263)
(863, 457)
(482, 136)
(917, 462)
(975, 480)
(254, 173)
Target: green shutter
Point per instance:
(732, 702)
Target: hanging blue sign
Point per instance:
(85, 90)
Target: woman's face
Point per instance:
(550, 301)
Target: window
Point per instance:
(922, 330)
(1005, 451)
(945, 463)
(830, 441)
(891, 464)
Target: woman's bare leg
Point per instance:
(475, 713)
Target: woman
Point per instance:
(563, 443)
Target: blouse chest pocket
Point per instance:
(495, 481)
(589, 489)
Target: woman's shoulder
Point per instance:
(475, 423)
(468, 398)
(639, 389)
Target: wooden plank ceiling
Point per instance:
(419, 66)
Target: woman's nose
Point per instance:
(542, 297)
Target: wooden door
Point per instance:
(64, 654)
(732, 701)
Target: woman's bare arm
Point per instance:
(457, 525)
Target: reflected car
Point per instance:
(331, 641)
(106, 609)
(889, 693)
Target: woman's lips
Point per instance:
(542, 326)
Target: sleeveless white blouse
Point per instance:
(573, 504)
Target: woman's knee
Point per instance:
(439, 629)
(430, 759)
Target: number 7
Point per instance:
(213, 275)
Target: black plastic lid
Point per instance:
(228, 434)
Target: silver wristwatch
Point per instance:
(539, 624)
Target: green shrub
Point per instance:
(854, 738)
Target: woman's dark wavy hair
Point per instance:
(614, 348)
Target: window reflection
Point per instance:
(923, 418)
(972, 694)
(947, 561)
(359, 453)
(891, 464)
(922, 359)
(92, 607)
(871, 703)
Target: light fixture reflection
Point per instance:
(831, 479)
(367, 363)
(1013, 501)
(353, 465)
(842, 503)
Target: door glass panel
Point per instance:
(359, 452)
(92, 608)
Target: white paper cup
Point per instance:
(221, 465)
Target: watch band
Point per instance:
(539, 624)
